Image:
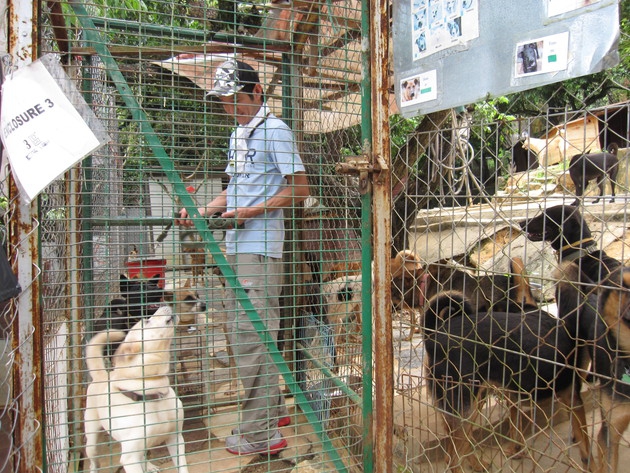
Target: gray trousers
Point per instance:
(263, 404)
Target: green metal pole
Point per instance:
(366, 246)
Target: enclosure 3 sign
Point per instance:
(43, 131)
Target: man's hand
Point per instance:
(183, 220)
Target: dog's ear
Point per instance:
(188, 283)
(168, 296)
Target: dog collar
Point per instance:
(581, 251)
(135, 397)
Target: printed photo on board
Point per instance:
(440, 24)
(542, 55)
(418, 88)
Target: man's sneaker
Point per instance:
(282, 422)
(238, 445)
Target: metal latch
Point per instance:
(363, 167)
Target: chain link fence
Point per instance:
(464, 183)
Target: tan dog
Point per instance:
(198, 264)
(135, 402)
(410, 89)
(186, 303)
(406, 272)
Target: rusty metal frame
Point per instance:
(27, 333)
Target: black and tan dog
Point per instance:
(603, 310)
(528, 354)
(585, 167)
(413, 285)
(564, 228)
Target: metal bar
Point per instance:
(179, 32)
(129, 221)
(27, 330)
(381, 234)
(366, 245)
(201, 225)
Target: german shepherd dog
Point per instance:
(502, 292)
(585, 167)
(604, 312)
(564, 228)
(528, 353)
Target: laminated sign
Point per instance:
(46, 125)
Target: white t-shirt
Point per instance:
(272, 155)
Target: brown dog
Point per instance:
(406, 270)
(603, 311)
(186, 302)
(198, 264)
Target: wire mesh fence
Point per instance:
(130, 258)
(505, 389)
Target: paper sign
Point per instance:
(539, 56)
(42, 131)
(420, 88)
(558, 7)
(442, 24)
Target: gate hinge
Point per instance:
(363, 167)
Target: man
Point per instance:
(266, 176)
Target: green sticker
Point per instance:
(626, 378)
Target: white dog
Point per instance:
(135, 402)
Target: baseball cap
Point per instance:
(232, 76)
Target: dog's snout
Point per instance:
(345, 294)
(523, 225)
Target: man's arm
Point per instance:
(218, 204)
(293, 193)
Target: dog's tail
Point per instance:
(444, 306)
(94, 357)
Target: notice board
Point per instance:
(449, 53)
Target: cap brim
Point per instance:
(221, 92)
(224, 91)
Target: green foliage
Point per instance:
(401, 128)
